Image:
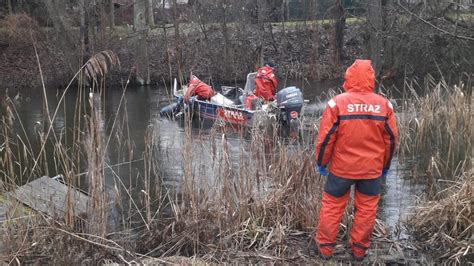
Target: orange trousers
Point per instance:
(335, 197)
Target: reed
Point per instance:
(435, 128)
(444, 226)
(436, 142)
(260, 206)
(31, 236)
(254, 202)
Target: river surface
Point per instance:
(141, 106)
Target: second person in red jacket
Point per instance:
(356, 140)
(266, 82)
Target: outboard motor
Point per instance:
(172, 109)
(290, 102)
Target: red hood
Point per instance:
(360, 77)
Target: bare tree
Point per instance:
(261, 15)
(374, 37)
(284, 16)
(9, 7)
(225, 33)
(149, 13)
(315, 40)
(141, 45)
(100, 7)
(201, 18)
(389, 43)
(337, 38)
(65, 36)
(111, 13)
(178, 45)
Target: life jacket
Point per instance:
(357, 133)
(265, 83)
(198, 88)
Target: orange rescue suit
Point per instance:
(198, 88)
(265, 83)
(357, 139)
(357, 133)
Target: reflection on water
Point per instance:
(130, 114)
(397, 198)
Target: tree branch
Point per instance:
(434, 26)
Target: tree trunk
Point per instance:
(149, 13)
(84, 33)
(82, 23)
(261, 8)
(286, 10)
(9, 7)
(389, 55)
(338, 33)
(101, 22)
(315, 40)
(141, 45)
(374, 28)
(66, 41)
(111, 13)
(178, 46)
(225, 32)
(228, 66)
(390, 49)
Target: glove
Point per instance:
(384, 172)
(322, 170)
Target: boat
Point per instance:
(237, 106)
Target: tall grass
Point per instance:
(34, 236)
(436, 136)
(444, 226)
(436, 128)
(259, 205)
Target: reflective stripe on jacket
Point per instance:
(357, 134)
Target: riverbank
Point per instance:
(226, 50)
(299, 49)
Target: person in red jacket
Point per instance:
(357, 139)
(199, 89)
(266, 82)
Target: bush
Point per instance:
(20, 28)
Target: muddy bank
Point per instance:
(299, 50)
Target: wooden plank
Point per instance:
(49, 196)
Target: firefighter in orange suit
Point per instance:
(199, 89)
(266, 82)
(356, 141)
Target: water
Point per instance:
(142, 106)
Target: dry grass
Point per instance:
(36, 237)
(259, 207)
(435, 129)
(444, 226)
(436, 135)
(98, 65)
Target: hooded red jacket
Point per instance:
(357, 134)
(265, 83)
(198, 88)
